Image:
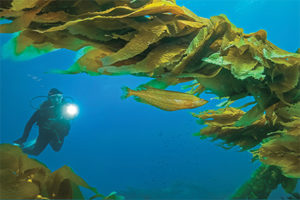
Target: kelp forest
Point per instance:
(170, 44)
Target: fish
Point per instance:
(164, 99)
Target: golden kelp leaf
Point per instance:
(22, 42)
(137, 45)
(153, 8)
(22, 22)
(195, 46)
(247, 56)
(259, 35)
(218, 84)
(19, 23)
(10, 156)
(150, 33)
(217, 59)
(293, 127)
(53, 17)
(64, 39)
(207, 71)
(23, 47)
(159, 6)
(284, 78)
(280, 56)
(103, 2)
(288, 112)
(283, 152)
(65, 190)
(60, 176)
(92, 33)
(88, 63)
(22, 4)
(164, 26)
(14, 159)
(113, 13)
(14, 188)
(182, 24)
(126, 37)
(159, 57)
(221, 126)
(238, 54)
(223, 116)
(242, 64)
(271, 116)
(251, 116)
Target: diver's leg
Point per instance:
(40, 144)
(56, 143)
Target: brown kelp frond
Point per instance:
(287, 116)
(159, 39)
(288, 112)
(121, 30)
(283, 152)
(263, 181)
(27, 178)
(221, 126)
(292, 127)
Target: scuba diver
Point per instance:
(53, 118)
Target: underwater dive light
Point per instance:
(70, 110)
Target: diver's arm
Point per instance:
(28, 127)
(61, 127)
(66, 127)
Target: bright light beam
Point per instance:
(71, 111)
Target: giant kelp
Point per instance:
(27, 178)
(277, 133)
(159, 39)
(273, 139)
(283, 152)
(263, 181)
(221, 126)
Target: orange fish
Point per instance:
(164, 99)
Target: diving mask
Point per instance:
(56, 98)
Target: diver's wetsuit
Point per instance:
(52, 128)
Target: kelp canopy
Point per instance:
(161, 40)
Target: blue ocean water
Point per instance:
(133, 148)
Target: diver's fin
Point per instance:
(16, 144)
